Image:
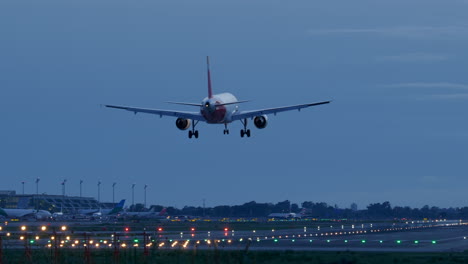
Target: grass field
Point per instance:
(224, 256)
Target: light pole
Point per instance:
(81, 182)
(63, 187)
(113, 192)
(203, 207)
(133, 196)
(99, 191)
(146, 186)
(37, 185)
(23, 182)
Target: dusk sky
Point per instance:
(397, 72)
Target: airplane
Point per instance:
(25, 213)
(150, 214)
(288, 215)
(100, 212)
(217, 109)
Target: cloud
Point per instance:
(429, 179)
(403, 31)
(453, 96)
(447, 91)
(427, 85)
(414, 57)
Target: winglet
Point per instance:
(210, 92)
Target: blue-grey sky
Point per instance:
(397, 129)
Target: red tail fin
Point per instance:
(163, 211)
(210, 92)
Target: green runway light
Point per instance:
(416, 242)
(346, 241)
(32, 241)
(381, 241)
(328, 240)
(433, 242)
(363, 241)
(276, 240)
(398, 241)
(294, 240)
(135, 240)
(310, 241)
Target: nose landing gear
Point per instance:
(226, 130)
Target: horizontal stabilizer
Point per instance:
(200, 105)
(237, 102)
(182, 103)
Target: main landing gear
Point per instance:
(193, 132)
(226, 130)
(245, 131)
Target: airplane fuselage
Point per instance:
(214, 110)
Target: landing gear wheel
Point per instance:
(190, 134)
(242, 133)
(196, 133)
(247, 132)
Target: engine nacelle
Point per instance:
(261, 121)
(183, 124)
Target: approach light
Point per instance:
(23, 228)
(63, 228)
(43, 228)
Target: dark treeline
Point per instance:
(318, 210)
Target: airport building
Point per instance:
(53, 203)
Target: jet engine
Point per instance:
(261, 121)
(183, 124)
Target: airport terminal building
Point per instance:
(53, 203)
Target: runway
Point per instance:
(416, 236)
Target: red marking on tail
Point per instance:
(163, 211)
(210, 92)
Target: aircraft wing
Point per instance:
(188, 115)
(253, 113)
